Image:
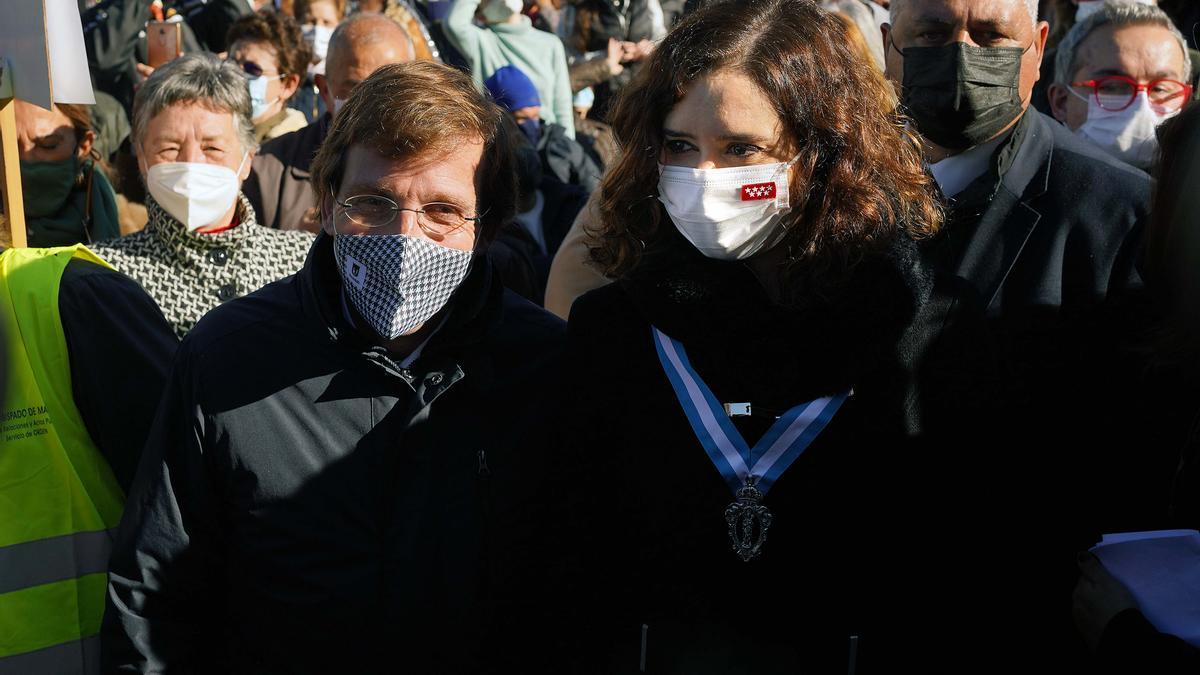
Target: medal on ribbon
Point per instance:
(749, 472)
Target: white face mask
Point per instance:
(728, 214)
(1129, 134)
(317, 37)
(258, 95)
(397, 282)
(499, 11)
(195, 194)
(1086, 8)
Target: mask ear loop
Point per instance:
(242, 164)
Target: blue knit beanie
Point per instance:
(512, 89)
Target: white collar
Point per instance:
(956, 172)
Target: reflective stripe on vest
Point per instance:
(58, 497)
(64, 658)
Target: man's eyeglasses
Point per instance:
(437, 219)
(1116, 93)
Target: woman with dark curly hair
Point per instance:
(771, 396)
(271, 50)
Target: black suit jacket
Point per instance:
(1060, 232)
(1045, 238)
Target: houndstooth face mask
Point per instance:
(397, 282)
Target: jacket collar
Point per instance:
(263, 128)
(1009, 220)
(721, 314)
(163, 228)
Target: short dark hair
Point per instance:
(414, 109)
(281, 33)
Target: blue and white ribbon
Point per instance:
(739, 464)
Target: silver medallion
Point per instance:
(748, 522)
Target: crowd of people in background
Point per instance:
(603, 336)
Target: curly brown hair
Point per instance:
(859, 182)
(281, 32)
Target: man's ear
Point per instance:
(323, 90)
(325, 213)
(893, 64)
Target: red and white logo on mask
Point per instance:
(758, 192)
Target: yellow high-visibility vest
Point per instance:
(59, 500)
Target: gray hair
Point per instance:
(365, 29)
(1118, 13)
(864, 20)
(196, 78)
(896, 5)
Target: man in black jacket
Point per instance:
(345, 473)
(1038, 219)
(1044, 226)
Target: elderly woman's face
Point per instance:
(190, 132)
(724, 120)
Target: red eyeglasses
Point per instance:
(1116, 93)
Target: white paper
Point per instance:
(1162, 571)
(70, 80)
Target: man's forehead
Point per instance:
(956, 12)
(1121, 49)
(358, 63)
(454, 168)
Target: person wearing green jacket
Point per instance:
(509, 38)
(67, 198)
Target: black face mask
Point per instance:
(959, 95)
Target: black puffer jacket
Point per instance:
(305, 505)
(880, 528)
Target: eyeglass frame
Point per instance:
(1138, 87)
(249, 74)
(396, 210)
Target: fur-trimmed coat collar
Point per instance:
(723, 316)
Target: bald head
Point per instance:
(360, 45)
(897, 7)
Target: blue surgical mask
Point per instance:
(258, 95)
(532, 130)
